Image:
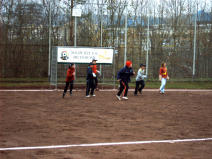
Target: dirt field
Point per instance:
(44, 118)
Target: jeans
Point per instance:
(163, 83)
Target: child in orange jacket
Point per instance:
(163, 77)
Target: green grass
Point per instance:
(19, 80)
(179, 85)
(43, 82)
(28, 84)
(23, 82)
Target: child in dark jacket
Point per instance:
(69, 79)
(94, 68)
(124, 78)
(90, 81)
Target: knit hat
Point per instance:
(94, 59)
(128, 63)
(142, 65)
(70, 65)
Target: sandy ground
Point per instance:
(44, 118)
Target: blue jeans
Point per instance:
(163, 83)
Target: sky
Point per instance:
(156, 2)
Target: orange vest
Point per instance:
(94, 68)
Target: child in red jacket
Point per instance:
(69, 79)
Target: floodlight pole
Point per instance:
(75, 38)
(147, 53)
(75, 31)
(195, 37)
(49, 66)
(101, 43)
(125, 48)
(101, 23)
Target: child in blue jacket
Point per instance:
(124, 78)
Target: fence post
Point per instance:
(114, 71)
(53, 76)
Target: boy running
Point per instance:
(124, 78)
(90, 81)
(69, 79)
(140, 79)
(163, 77)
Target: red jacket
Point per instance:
(70, 74)
(163, 72)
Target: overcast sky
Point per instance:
(206, 4)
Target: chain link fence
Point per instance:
(24, 41)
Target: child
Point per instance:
(124, 78)
(69, 79)
(90, 81)
(94, 69)
(163, 76)
(140, 79)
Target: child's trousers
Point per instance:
(123, 87)
(163, 84)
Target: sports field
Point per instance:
(144, 127)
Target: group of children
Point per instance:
(123, 78)
(91, 79)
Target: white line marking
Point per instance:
(105, 144)
(105, 90)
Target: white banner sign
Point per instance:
(84, 55)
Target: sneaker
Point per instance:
(125, 98)
(119, 98)
(161, 92)
(88, 96)
(64, 95)
(94, 95)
